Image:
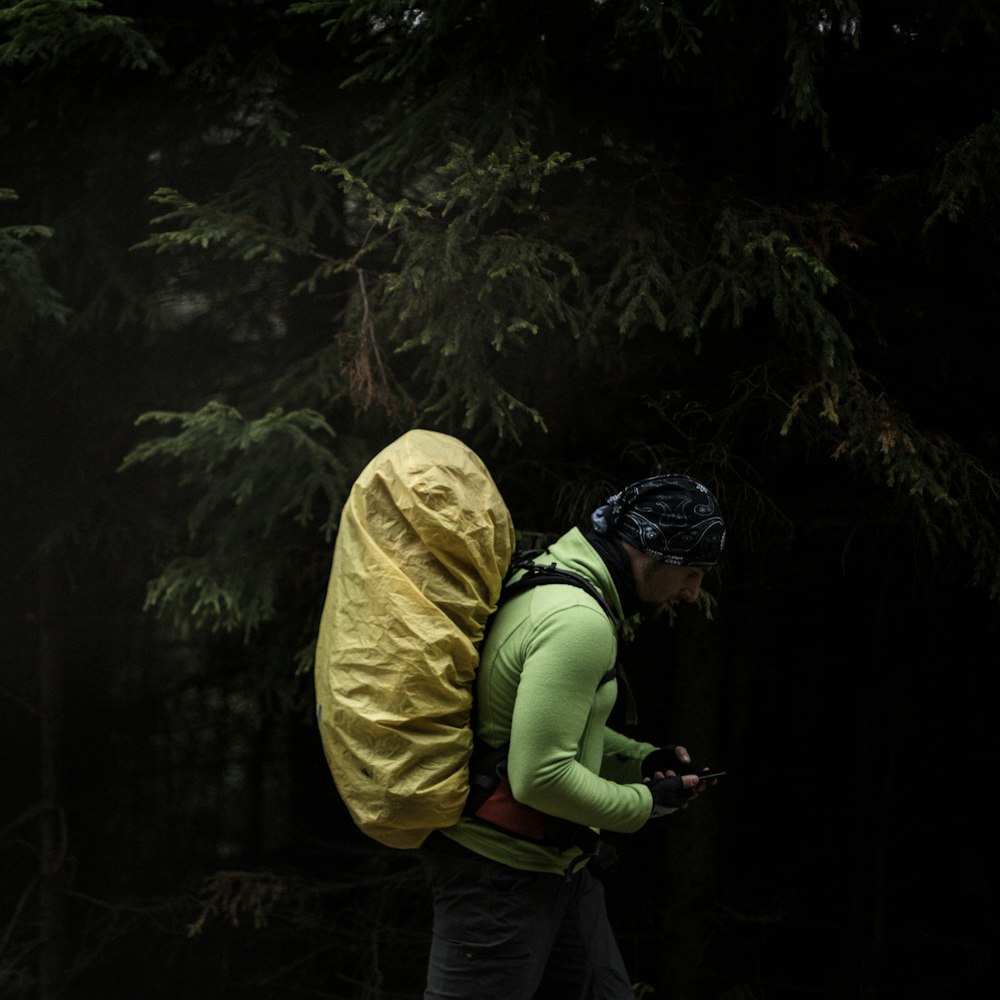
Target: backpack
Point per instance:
(424, 547)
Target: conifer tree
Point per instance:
(676, 209)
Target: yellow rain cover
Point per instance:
(424, 541)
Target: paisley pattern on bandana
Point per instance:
(672, 518)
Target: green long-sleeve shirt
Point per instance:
(539, 688)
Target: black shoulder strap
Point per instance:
(540, 573)
(536, 574)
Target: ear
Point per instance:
(638, 560)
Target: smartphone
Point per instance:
(710, 774)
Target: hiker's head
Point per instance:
(673, 531)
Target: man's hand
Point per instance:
(672, 759)
(673, 779)
(672, 791)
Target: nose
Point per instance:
(691, 591)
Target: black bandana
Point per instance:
(671, 518)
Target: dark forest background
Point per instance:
(243, 245)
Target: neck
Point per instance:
(619, 566)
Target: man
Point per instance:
(517, 914)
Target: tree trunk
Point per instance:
(51, 886)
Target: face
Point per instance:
(659, 586)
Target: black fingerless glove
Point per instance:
(668, 794)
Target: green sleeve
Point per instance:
(558, 722)
(623, 757)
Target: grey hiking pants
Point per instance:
(505, 934)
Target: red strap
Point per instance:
(501, 809)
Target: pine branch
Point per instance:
(462, 286)
(52, 32)
(952, 495)
(218, 225)
(250, 478)
(25, 295)
(968, 176)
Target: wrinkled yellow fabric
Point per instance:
(423, 545)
